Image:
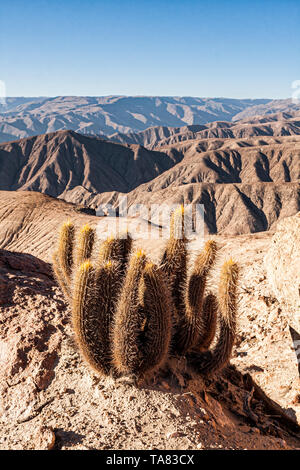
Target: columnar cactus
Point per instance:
(212, 360)
(142, 330)
(130, 315)
(196, 314)
(121, 319)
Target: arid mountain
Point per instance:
(230, 209)
(252, 160)
(58, 162)
(12, 103)
(24, 117)
(246, 185)
(272, 107)
(280, 124)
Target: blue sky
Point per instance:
(231, 48)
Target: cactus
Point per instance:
(196, 316)
(63, 257)
(147, 313)
(65, 251)
(187, 292)
(129, 319)
(209, 318)
(85, 244)
(92, 325)
(130, 315)
(192, 325)
(208, 362)
(117, 249)
(119, 312)
(174, 260)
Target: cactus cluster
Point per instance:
(130, 315)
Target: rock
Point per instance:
(282, 265)
(43, 439)
(245, 428)
(175, 434)
(29, 339)
(4, 290)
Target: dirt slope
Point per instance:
(29, 221)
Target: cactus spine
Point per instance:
(85, 244)
(129, 320)
(211, 361)
(174, 260)
(192, 327)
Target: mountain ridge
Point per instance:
(109, 114)
(246, 185)
(54, 162)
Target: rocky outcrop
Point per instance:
(30, 336)
(283, 266)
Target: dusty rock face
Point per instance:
(30, 337)
(283, 266)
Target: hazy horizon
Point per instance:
(147, 96)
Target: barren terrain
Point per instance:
(50, 399)
(245, 184)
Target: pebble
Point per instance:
(44, 438)
(175, 434)
(245, 428)
(165, 385)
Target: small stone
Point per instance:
(193, 423)
(283, 443)
(245, 428)
(165, 385)
(255, 430)
(175, 434)
(44, 439)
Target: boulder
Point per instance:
(282, 263)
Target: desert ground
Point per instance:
(50, 399)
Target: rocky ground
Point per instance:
(50, 399)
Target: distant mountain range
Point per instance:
(280, 124)
(25, 117)
(246, 173)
